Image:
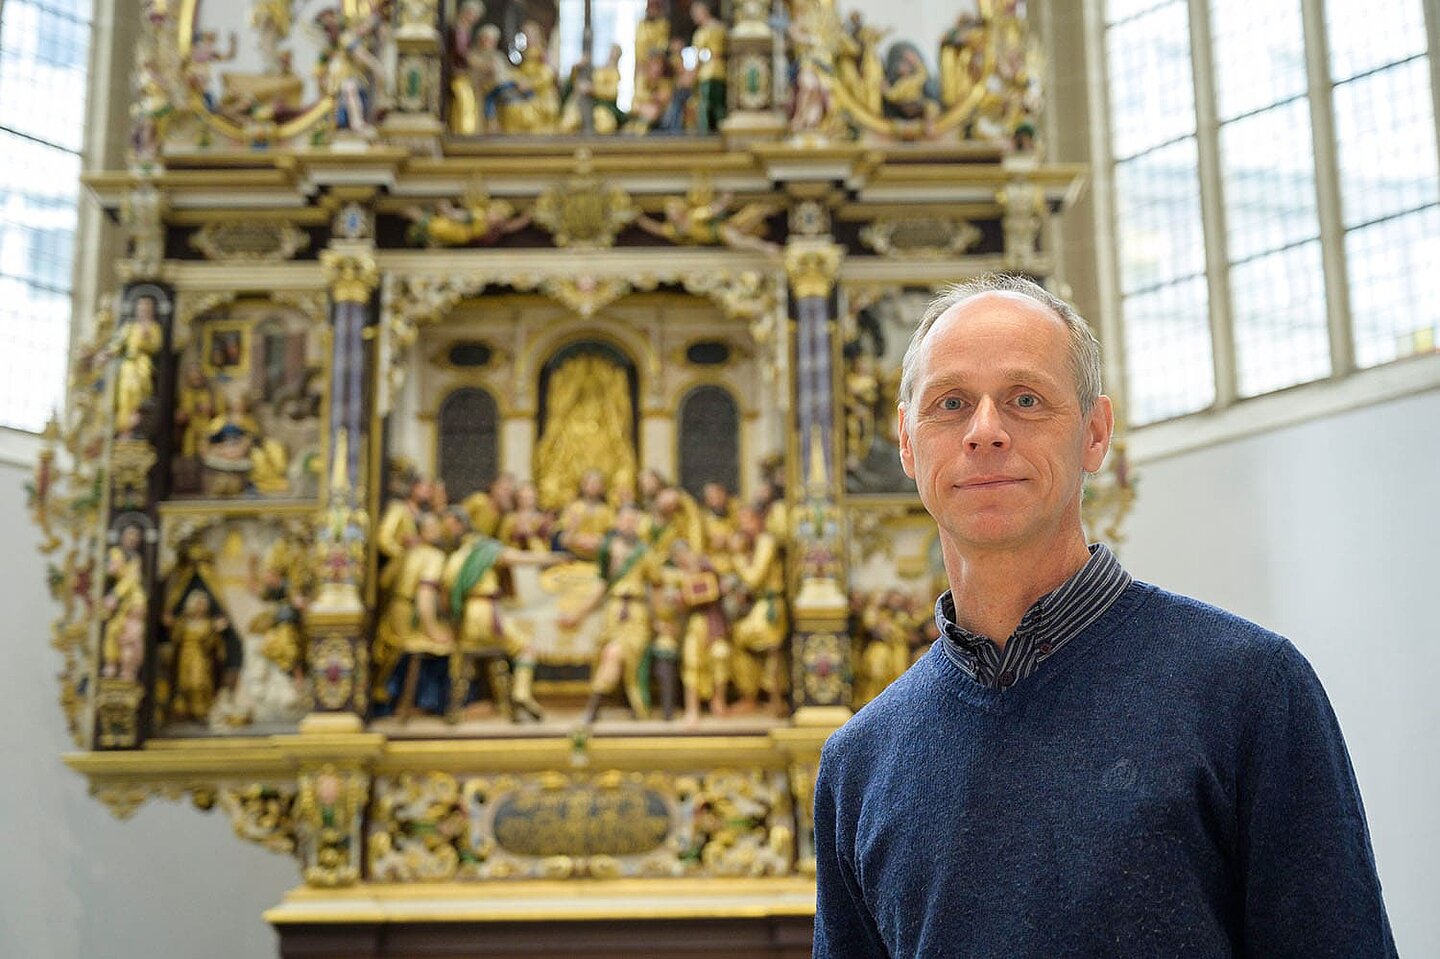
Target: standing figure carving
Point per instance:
(710, 41)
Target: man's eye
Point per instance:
(950, 403)
(1027, 401)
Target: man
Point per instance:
(1082, 765)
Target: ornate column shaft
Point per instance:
(334, 622)
(821, 650)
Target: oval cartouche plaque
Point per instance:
(582, 821)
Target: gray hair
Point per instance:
(1084, 351)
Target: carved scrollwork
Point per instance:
(262, 813)
(431, 827)
(584, 212)
(328, 813)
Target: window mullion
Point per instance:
(1212, 205)
(1432, 46)
(1107, 217)
(1327, 189)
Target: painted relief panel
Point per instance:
(248, 402)
(231, 651)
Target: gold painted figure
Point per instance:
(859, 64)
(486, 508)
(281, 580)
(474, 585)
(239, 458)
(538, 76)
(527, 526)
(478, 220)
(412, 618)
(710, 40)
(140, 340)
(466, 116)
(585, 522)
(705, 649)
(628, 568)
(862, 394)
(700, 219)
(760, 633)
(198, 638)
(588, 426)
(652, 40)
(124, 597)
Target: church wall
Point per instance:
(74, 882)
(1326, 532)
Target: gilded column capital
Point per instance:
(351, 275)
(812, 267)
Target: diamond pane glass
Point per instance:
(1117, 10)
(43, 52)
(1152, 96)
(1385, 131)
(1281, 334)
(1365, 35)
(1168, 354)
(1259, 49)
(1158, 207)
(1269, 180)
(1395, 287)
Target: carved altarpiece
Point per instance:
(336, 292)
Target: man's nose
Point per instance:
(985, 429)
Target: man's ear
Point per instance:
(1099, 430)
(907, 455)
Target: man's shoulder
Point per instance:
(900, 712)
(1185, 625)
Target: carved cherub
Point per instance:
(477, 220)
(702, 219)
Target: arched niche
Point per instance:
(468, 451)
(598, 386)
(708, 427)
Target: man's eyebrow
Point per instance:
(1014, 375)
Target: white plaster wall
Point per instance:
(1329, 532)
(74, 882)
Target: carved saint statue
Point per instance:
(140, 340)
(709, 41)
(197, 634)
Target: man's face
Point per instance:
(996, 442)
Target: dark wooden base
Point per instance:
(780, 937)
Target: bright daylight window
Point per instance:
(1198, 337)
(44, 49)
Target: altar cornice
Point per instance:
(282, 182)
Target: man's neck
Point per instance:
(992, 590)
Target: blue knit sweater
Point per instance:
(1171, 783)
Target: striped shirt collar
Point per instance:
(1050, 623)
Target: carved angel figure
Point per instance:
(702, 220)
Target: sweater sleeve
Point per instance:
(1307, 871)
(844, 928)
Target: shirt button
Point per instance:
(1044, 649)
(1007, 679)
